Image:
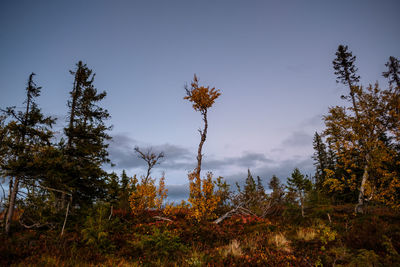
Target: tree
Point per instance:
(320, 160)
(145, 195)
(252, 197)
(26, 133)
(277, 190)
(393, 72)
(150, 158)
(300, 185)
(346, 73)
(125, 191)
(86, 148)
(202, 98)
(113, 188)
(369, 158)
(201, 196)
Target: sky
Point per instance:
(272, 61)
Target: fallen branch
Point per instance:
(238, 210)
(162, 218)
(34, 225)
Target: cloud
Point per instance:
(122, 153)
(248, 160)
(298, 139)
(177, 193)
(282, 170)
(179, 160)
(315, 121)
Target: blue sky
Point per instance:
(272, 61)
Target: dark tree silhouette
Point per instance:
(393, 72)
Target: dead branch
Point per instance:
(48, 188)
(65, 220)
(162, 218)
(235, 211)
(111, 212)
(34, 225)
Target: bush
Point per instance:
(159, 245)
(97, 227)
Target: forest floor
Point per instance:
(327, 236)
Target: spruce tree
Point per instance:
(27, 132)
(277, 190)
(300, 185)
(393, 72)
(346, 71)
(87, 138)
(320, 160)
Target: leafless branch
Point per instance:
(65, 220)
(162, 218)
(150, 158)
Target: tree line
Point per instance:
(357, 159)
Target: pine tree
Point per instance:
(86, 148)
(393, 72)
(277, 190)
(300, 185)
(320, 160)
(124, 193)
(346, 71)
(28, 132)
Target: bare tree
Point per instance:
(151, 158)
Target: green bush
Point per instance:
(97, 229)
(164, 245)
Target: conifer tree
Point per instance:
(124, 193)
(27, 132)
(393, 72)
(277, 190)
(320, 160)
(346, 71)
(86, 148)
(300, 185)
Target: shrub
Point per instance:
(164, 245)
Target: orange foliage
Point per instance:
(201, 96)
(145, 195)
(202, 197)
(361, 137)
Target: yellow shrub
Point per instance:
(202, 197)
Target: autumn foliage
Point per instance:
(145, 195)
(203, 198)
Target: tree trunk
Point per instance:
(11, 205)
(202, 140)
(360, 205)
